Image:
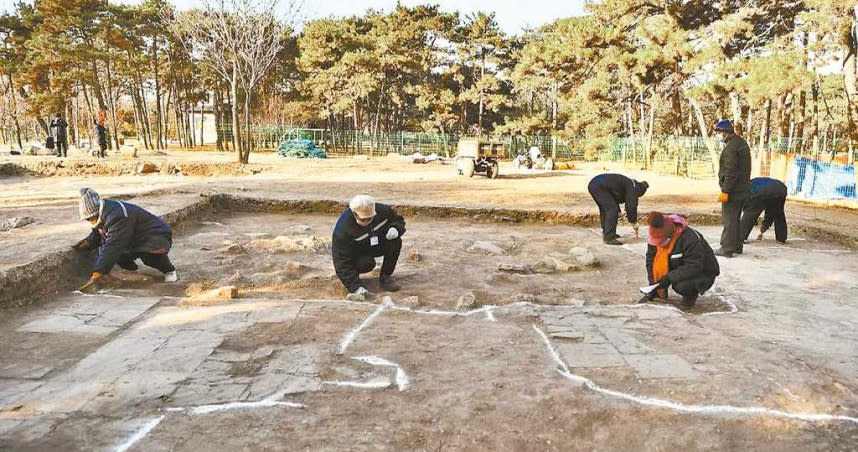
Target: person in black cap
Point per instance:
(767, 195)
(609, 191)
(734, 178)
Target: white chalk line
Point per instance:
(402, 380)
(140, 433)
(489, 315)
(733, 308)
(265, 403)
(100, 294)
(350, 337)
(360, 384)
(270, 401)
(713, 410)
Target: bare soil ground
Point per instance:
(553, 360)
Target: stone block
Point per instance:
(661, 366)
(584, 355)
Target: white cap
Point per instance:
(363, 205)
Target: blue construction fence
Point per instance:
(813, 179)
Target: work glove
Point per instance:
(93, 284)
(358, 295)
(664, 283)
(723, 197)
(82, 245)
(392, 234)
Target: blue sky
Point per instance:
(512, 15)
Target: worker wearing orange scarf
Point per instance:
(678, 257)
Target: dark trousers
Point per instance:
(101, 150)
(774, 208)
(609, 210)
(731, 218)
(693, 287)
(159, 262)
(62, 148)
(389, 249)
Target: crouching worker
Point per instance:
(678, 257)
(364, 231)
(767, 195)
(122, 233)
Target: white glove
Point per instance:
(392, 234)
(358, 295)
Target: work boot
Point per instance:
(612, 241)
(724, 253)
(171, 277)
(388, 283)
(688, 302)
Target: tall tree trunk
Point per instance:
(113, 123)
(216, 97)
(14, 104)
(704, 132)
(850, 72)
(158, 127)
(233, 92)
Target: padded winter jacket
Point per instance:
(127, 228)
(734, 171)
(691, 257)
(767, 188)
(352, 240)
(623, 189)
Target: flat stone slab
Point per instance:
(661, 366)
(24, 370)
(625, 343)
(97, 316)
(584, 355)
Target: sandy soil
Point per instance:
(548, 361)
(476, 380)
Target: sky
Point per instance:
(512, 15)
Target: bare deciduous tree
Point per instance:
(239, 40)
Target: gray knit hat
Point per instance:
(90, 203)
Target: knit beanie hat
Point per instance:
(90, 203)
(642, 188)
(660, 228)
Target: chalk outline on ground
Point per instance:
(712, 410)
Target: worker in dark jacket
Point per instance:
(734, 177)
(767, 195)
(101, 133)
(678, 257)
(122, 233)
(364, 231)
(611, 190)
(61, 137)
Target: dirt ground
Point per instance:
(504, 337)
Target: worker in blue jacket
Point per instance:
(123, 233)
(767, 195)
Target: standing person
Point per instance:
(364, 231)
(609, 191)
(101, 132)
(767, 195)
(123, 233)
(61, 139)
(734, 177)
(678, 257)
